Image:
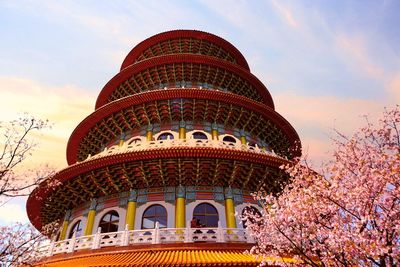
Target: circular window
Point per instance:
(109, 222)
(165, 136)
(134, 141)
(252, 144)
(199, 136)
(228, 138)
(76, 229)
(153, 214)
(206, 214)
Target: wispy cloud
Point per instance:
(240, 14)
(316, 117)
(374, 64)
(355, 50)
(74, 13)
(285, 13)
(393, 88)
(64, 107)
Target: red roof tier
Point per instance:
(53, 197)
(183, 67)
(111, 110)
(188, 42)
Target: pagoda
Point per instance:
(160, 172)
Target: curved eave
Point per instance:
(126, 73)
(168, 254)
(89, 122)
(142, 46)
(37, 198)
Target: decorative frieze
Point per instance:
(169, 194)
(218, 194)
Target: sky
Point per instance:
(325, 63)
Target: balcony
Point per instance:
(142, 145)
(146, 236)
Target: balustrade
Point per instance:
(155, 144)
(146, 236)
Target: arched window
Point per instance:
(109, 222)
(199, 136)
(153, 214)
(165, 136)
(134, 141)
(250, 211)
(228, 138)
(77, 229)
(207, 215)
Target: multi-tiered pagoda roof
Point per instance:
(183, 125)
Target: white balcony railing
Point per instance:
(169, 143)
(146, 236)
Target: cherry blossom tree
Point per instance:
(15, 148)
(348, 213)
(17, 241)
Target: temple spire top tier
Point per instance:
(184, 58)
(185, 42)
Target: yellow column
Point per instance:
(182, 130)
(65, 224)
(149, 133)
(131, 210)
(180, 208)
(229, 209)
(243, 140)
(90, 218)
(122, 139)
(214, 131)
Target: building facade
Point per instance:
(161, 171)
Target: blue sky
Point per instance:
(326, 63)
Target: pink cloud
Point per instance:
(285, 14)
(355, 50)
(64, 107)
(315, 119)
(393, 88)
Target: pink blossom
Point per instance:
(347, 214)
